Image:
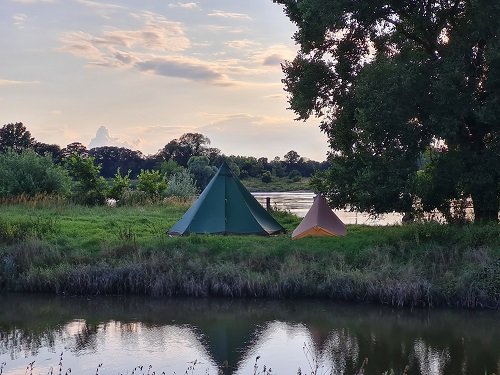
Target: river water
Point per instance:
(298, 203)
(210, 336)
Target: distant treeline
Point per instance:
(188, 149)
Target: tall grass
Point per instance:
(102, 250)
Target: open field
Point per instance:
(68, 249)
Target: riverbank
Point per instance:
(279, 184)
(66, 249)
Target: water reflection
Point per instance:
(226, 337)
(430, 361)
(299, 202)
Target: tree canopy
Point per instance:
(15, 137)
(110, 171)
(408, 93)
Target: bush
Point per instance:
(181, 185)
(119, 184)
(89, 186)
(294, 176)
(170, 167)
(153, 183)
(30, 174)
(266, 177)
(199, 167)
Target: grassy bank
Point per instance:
(67, 249)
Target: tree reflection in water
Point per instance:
(430, 361)
(226, 337)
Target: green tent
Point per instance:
(226, 207)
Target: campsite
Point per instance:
(110, 278)
(164, 294)
(234, 187)
(69, 249)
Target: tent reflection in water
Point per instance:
(319, 221)
(226, 207)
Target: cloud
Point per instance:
(155, 137)
(161, 47)
(8, 82)
(32, 1)
(274, 59)
(104, 138)
(102, 9)
(98, 5)
(183, 67)
(115, 47)
(229, 15)
(274, 55)
(191, 6)
(275, 96)
(239, 133)
(19, 20)
(81, 44)
(223, 29)
(150, 49)
(242, 44)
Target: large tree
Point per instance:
(189, 144)
(111, 158)
(15, 137)
(408, 92)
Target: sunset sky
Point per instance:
(141, 73)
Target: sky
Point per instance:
(139, 73)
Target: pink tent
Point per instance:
(319, 221)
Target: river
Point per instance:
(299, 202)
(210, 336)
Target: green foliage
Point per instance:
(266, 177)
(405, 78)
(233, 167)
(169, 168)
(119, 185)
(153, 183)
(15, 137)
(199, 167)
(294, 175)
(181, 185)
(88, 186)
(110, 158)
(188, 145)
(26, 173)
(21, 228)
(125, 250)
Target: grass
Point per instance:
(68, 249)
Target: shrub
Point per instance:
(153, 183)
(181, 185)
(294, 176)
(89, 186)
(30, 174)
(119, 184)
(199, 167)
(170, 167)
(266, 177)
